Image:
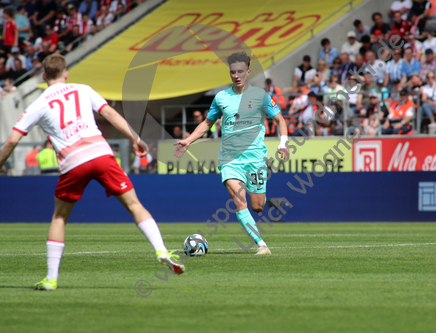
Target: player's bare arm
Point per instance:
(110, 114)
(9, 147)
(283, 150)
(201, 129)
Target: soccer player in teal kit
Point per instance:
(242, 151)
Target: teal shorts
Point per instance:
(254, 174)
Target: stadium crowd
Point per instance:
(34, 29)
(400, 92)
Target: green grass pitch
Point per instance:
(321, 277)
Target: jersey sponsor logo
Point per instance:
(71, 130)
(123, 185)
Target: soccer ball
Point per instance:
(195, 245)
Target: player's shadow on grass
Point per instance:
(221, 253)
(16, 287)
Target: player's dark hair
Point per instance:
(54, 66)
(238, 57)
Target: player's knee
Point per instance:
(257, 207)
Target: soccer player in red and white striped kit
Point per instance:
(64, 111)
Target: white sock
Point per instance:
(54, 255)
(261, 243)
(150, 230)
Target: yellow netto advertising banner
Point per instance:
(202, 157)
(184, 43)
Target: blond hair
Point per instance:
(54, 67)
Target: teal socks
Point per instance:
(247, 221)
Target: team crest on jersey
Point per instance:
(250, 106)
(237, 116)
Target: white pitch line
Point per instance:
(40, 254)
(334, 246)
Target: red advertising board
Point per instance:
(395, 154)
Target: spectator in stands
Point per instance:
(30, 7)
(115, 5)
(300, 102)
(416, 45)
(47, 160)
(30, 54)
(318, 85)
(32, 165)
(430, 42)
(23, 25)
(419, 13)
(89, 7)
(52, 37)
(428, 66)
(336, 65)
(379, 27)
(363, 98)
(410, 64)
(332, 89)
(328, 53)
(8, 86)
(381, 90)
(76, 41)
(353, 95)
(61, 20)
(400, 27)
(44, 14)
(361, 30)
(10, 64)
(428, 95)
(400, 115)
(414, 84)
(306, 114)
(10, 31)
(352, 47)
(381, 40)
(105, 18)
(377, 65)
(37, 67)
(276, 94)
(401, 7)
(198, 119)
(346, 66)
(324, 70)
(65, 39)
(86, 24)
(177, 132)
(366, 46)
(73, 18)
(305, 72)
(3, 74)
(45, 51)
(394, 68)
(395, 91)
(19, 71)
(360, 63)
(374, 115)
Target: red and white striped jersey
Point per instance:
(65, 114)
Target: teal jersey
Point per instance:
(243, 130)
